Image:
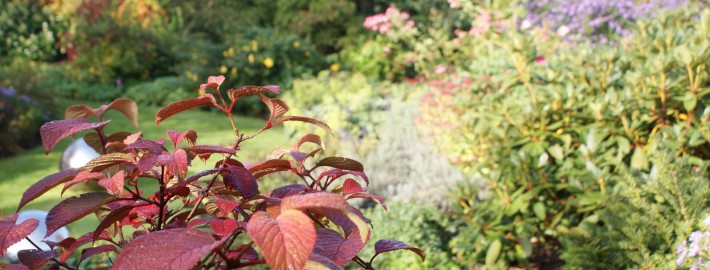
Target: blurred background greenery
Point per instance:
(506, 133)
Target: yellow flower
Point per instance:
(308, 54)
(250, 58)
(296, 44)
(335, 67)
(234, 71)
(254, 45)
(268, 62)
(223, 69)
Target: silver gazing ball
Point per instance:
(77, 155)
(37, 236)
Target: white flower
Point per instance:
(706, 221)
(563, 31)
(525, 25)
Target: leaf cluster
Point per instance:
(217, 218)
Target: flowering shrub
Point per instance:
(210, 219)
(552, 137)
(695, 253)
(30, 31)
(384, 22)
(595, 21)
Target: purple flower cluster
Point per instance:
(699, 241)
(593, 20)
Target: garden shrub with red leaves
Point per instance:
(217, 218)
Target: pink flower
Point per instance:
(409, 25)
(540, 59)
(440, 69)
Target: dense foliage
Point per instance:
(551, 128)
(646, 219)
(308, 225)
(30, 31)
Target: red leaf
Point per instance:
(114, 184)
(11, 233)
(211, 149)
(250, 254)
(299, 156)
(223, 227)
(88, 252)
(176, 137)
(54, 131)
(311, 138)
(199, 222)
(337, 173)
(74, 208)
(183, 105)
(269, 166)
(153, 147)
(276, 106)
(179, 164)
(35, 259)
(128, 107)
(216, 79)
(341, 163)
(351, 186)
(375, 198)
(226, 206)
(287, 241)
(79, 112)
(391, 245)
(169, 249)
(116, 215)
(287, 190)
(107, 161)
(317, 200)
(199, 175)
(71, 245)
(305, 119)
(82, 177)
(333, 246)
(241, 179)
(44, 185)
(132, 138)
(235, 94)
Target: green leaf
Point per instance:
(539, 209)
(557, 152)
(493, 252)
(689, 101)
(639, 160)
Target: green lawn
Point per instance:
(20, 172)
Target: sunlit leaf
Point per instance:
(54, 131)
(287, 241)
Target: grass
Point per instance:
(19, 172)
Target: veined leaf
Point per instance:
(170, 249)
(287, 241)
(183, 105)
(54, 131)
(44, 185)
(74, 208)
(11, 233)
